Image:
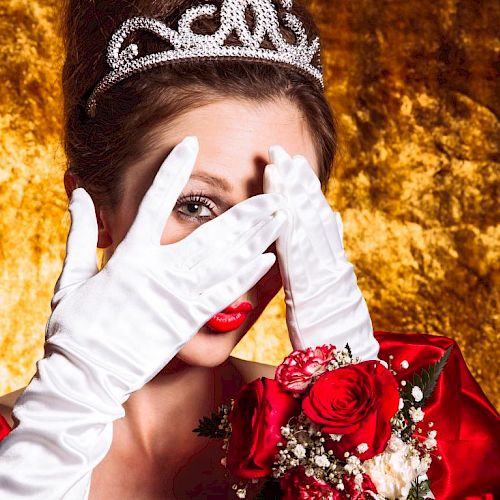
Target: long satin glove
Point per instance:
(112, 331)
(323, 301)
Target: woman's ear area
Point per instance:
(104, 237)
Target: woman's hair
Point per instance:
(131, 115)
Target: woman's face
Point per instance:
(234, 138)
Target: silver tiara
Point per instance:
(189, 45)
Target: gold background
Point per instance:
(415, 88)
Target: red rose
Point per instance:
(295, 485)
(299, 367)
(357, 401)
(261, 408)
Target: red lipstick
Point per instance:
(230, 318)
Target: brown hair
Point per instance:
(100, 149)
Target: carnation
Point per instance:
(395, 469)
(300, 367)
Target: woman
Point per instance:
(166, 356)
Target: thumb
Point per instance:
(80, 262)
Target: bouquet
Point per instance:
(329, 426)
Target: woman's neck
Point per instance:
(160, 417)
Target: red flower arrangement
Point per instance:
(328, 427)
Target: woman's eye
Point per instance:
(194, 210)
(195, 207)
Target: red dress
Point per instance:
(467, 424)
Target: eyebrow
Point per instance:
(217, 182)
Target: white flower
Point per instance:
(285, 431)
(401, 403)
(417, 393)
(404, 364)
(361, 448)
(299, 451)
(393, 471)
(322, 461)
(430, 443)
(336, 437)
(395, 443)
(416, 414)
(241, 493)
(353, 464)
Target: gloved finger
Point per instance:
(272, 182)
(307, 176)
(312, 185)
(80, 262)
(278, 154)
(311, 206)
(216, 268)
(224, 293)
(297, 257)
(224, 231)
(289, 174)
(294, 256)
(160, 198)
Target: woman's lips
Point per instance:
(230, 318)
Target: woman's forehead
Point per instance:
(240, 132)
(234, 139)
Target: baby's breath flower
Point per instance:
(241, 493)
(430, 443)
(285, 431)
(322, 461)
(361, 448)
(336, 437)
(416, 414)
(404, 364)
(299, 451)
(417, 393)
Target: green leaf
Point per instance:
(418, 490)
(209, 426)
(426, 380)
(348, 349)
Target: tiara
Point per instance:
(188, 45)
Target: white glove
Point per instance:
(323, 301)
(111, 331)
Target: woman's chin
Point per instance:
(209, 348)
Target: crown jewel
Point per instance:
(188, 45)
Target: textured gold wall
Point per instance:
(413, 87)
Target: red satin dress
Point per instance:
(467, 424)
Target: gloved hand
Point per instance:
(323, 301)
(113, 330)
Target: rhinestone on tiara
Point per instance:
(189, 45)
